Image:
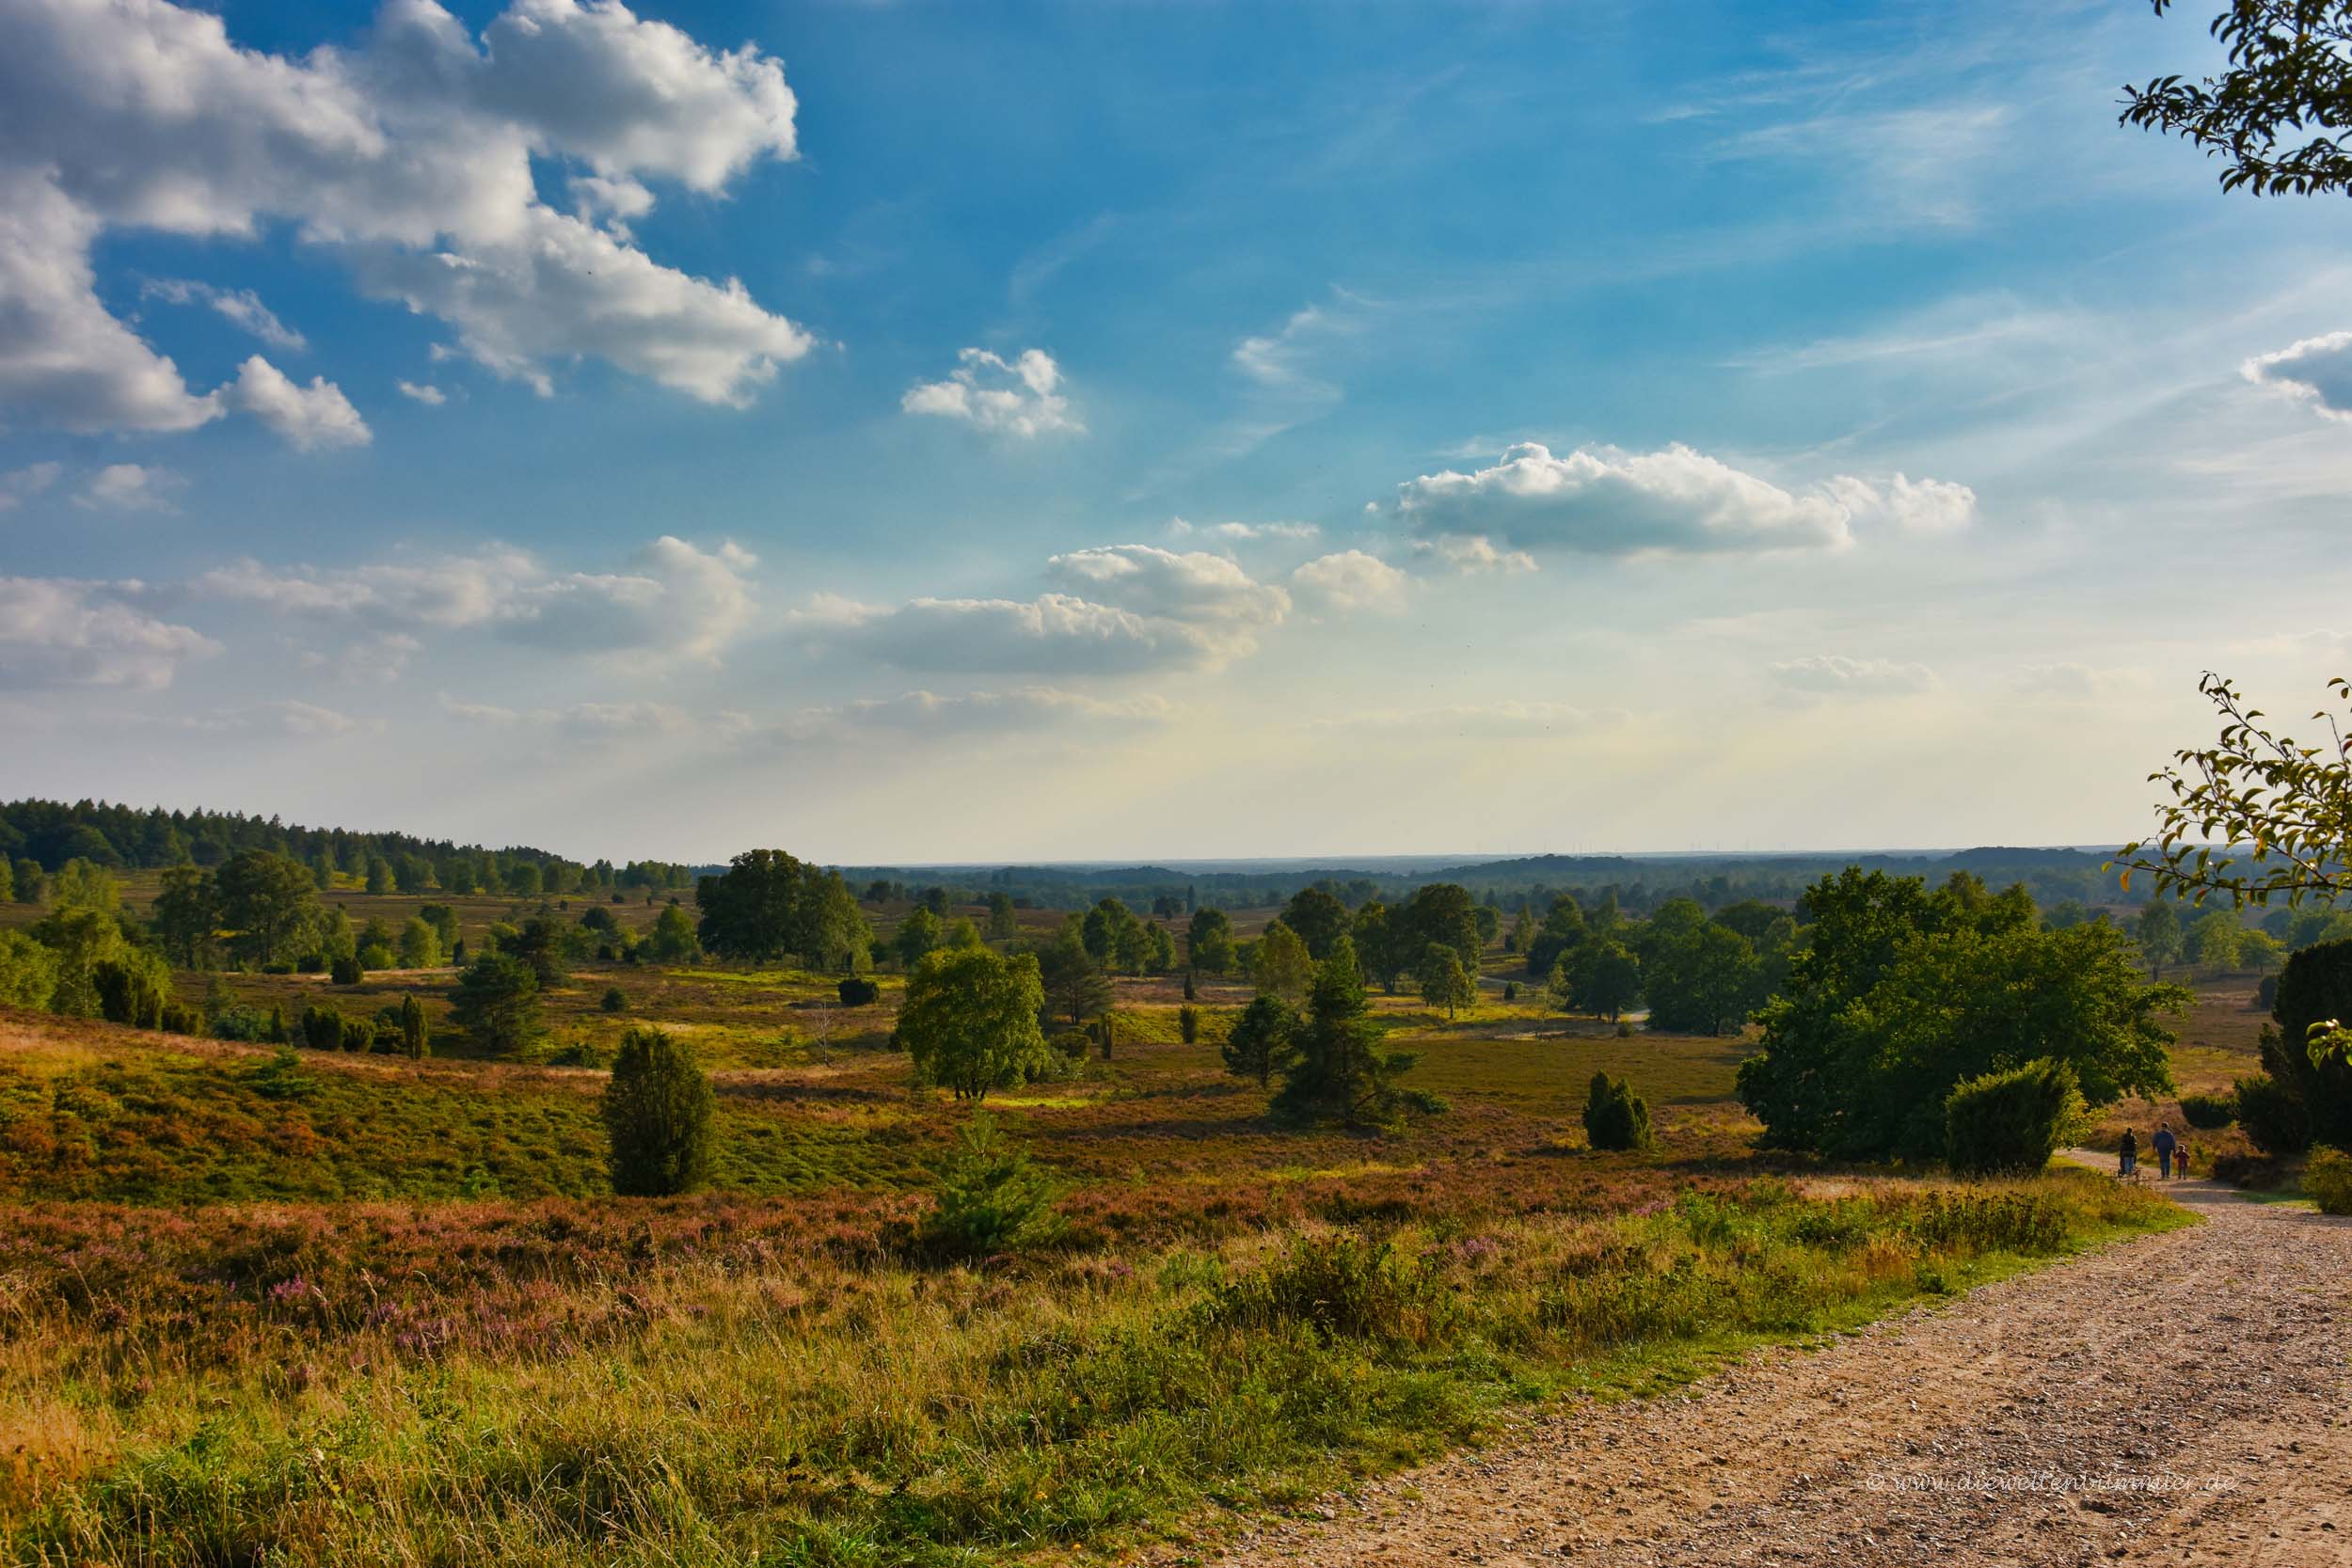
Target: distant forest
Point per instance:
(51, 833)
(126, 838)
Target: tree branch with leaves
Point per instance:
(2276, 115)
(2255, 815)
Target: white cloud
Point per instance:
(1018, 398)
(1835, 674)
(1914, 506)
(1194, 585)
(674, 599)
(1022, 707)
(1604, 501)
(61, 632)
(1483, 718)
(1349, 579)
(240, 306)
(425, 393)
(129, 487)
(580, 720)
(1470, 553)
(2317, 371)
(1054, 634)
(410, 154)
(19, 484)
(1243, 533)
(308, 417)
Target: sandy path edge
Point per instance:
(2174, 1399)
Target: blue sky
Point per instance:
(991, 433)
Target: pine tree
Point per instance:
(1341, 1073)
(658, 1111)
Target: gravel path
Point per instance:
(2176, 1399)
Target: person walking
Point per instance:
(2129, 1163)
(2164, 1143)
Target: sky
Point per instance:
(918, 432)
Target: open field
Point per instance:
(366, 1310)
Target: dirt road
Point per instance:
(2177, 1398)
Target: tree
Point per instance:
(1701, 981)
(1280, 965)
(658, 1108)
(2214, 938)
(1319, 919)
(132, 988)
(917, 934)
(268, 902)
(379, 876)
(416, 1037)
(672, 940)
(1601, 977)
(1209, 941)
(961, 934)
(1076, 988)
(1444, 983)
(187, 916)
(1953, 1005)
(753, 911)
(970, 1020)
(1615, 1118)
(992, 1198)
(496, 1002)
(28, 970)
(1003, 925)
(2255, 815)
(81, 884)
(1262, 1040)
(1436, 911)
(1340, 1072)
(540, 945)
(82, 939)
(32, 883)
(832, 933)
(2288, 83)
(1379, 944)
(1562, 931)
(2314, 989)
(420, 944)
(2158, 934)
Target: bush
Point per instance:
(131, 989)
(858, 991)
(1510, 990)
(2010, 1122)
(178, 1017)
(347, 971)
(992, 1197)
(321, 1028)
(1347, 1286)
(2327, 1180)
(249, 1024)
(656, 1110)
(2208, 1111)
(614, 1002)
(2272, 1115)
(1615, 1116)
(1189, 1024)
(306, 964)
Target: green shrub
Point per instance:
(2327, 1180)
(858, 991)
(1510, 990)
(321, 1028)
(1189, 1024)
(347, 971)
(1346, 1286)
(249, 1024)
(178, 1017)
(1614, 1116)
(992, 1198)
(2272, 1115)
(614, 1000)
(656, 1110)
(132, 989)
(2208, 1111)
(2010, 1122)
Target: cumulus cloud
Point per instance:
(1018, 398)
(1473, 553)
(1834, 675)
(1604, 501)
(1349, 579)
(242, 307)
(20, 484)
(1914, 506)
(1192, 585)
(62, 632)
(674, 598)
(409, 155)
(308, 417)
(1054, 634)
(1242, 532)
(2317, 371)
(129, 487)
(425, 393)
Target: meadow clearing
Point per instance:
(359, 1307)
